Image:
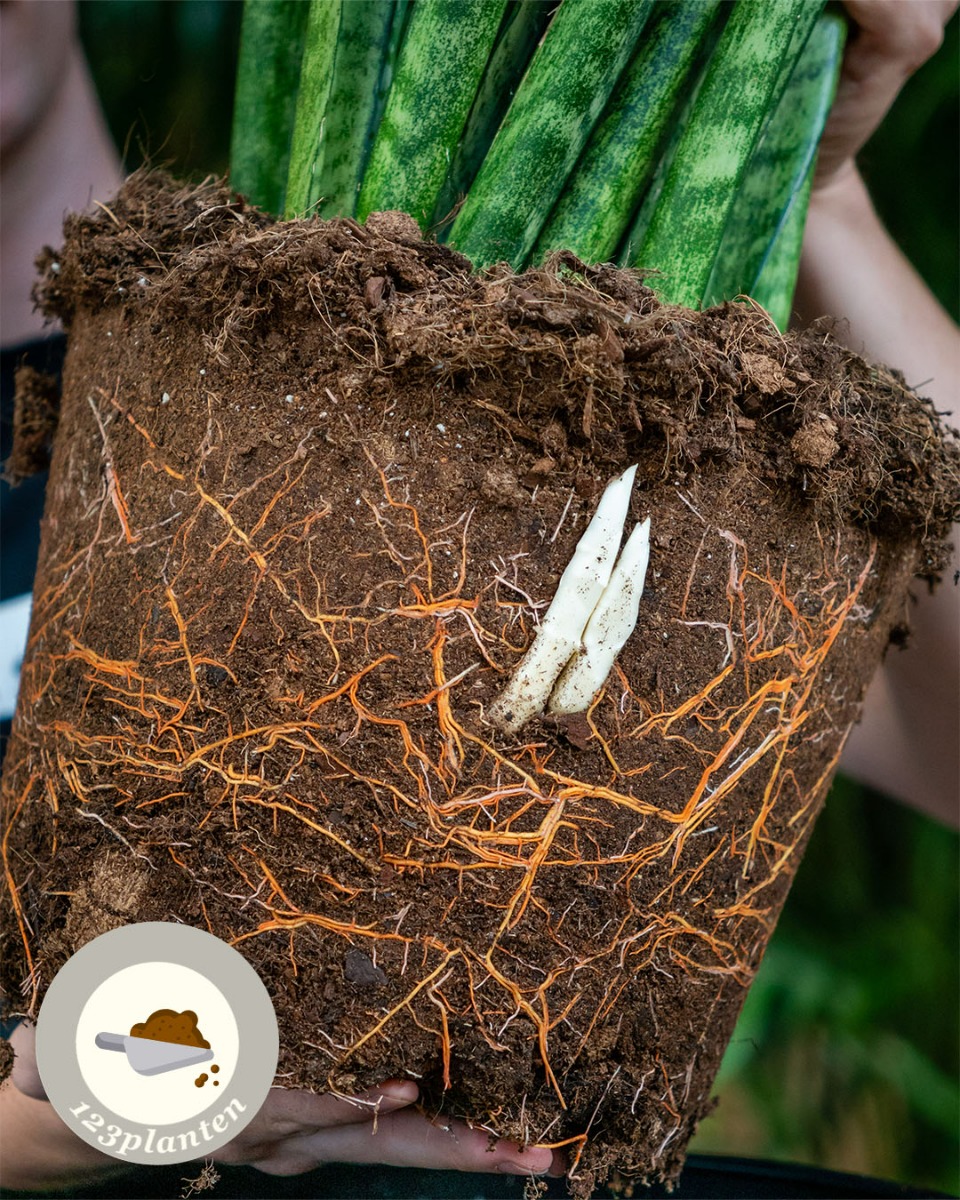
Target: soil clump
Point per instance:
(312, 487)
(168, 1025)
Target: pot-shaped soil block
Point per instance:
(313, 488)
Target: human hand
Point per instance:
(298, 1131)
(888, 41)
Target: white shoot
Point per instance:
(580, 588)
(611, 623)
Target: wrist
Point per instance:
(842, 194)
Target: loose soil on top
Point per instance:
(312, 487)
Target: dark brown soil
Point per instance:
(168, 1025)
(35, 420)
(311, 487)
(7, 1057)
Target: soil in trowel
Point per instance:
(167, 1025)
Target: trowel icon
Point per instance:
(148, 1056)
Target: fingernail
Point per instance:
(400, 1091)
(519, 1167)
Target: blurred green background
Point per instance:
(846, 1054)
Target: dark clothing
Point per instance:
(21, 508)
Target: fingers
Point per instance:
(889, 40)
(294, 1109)
(296, 1132)
(409, 1139)
(290, 1117)
(908, 34)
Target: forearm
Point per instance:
(906, 745)
(852, 269)
(38, 1152)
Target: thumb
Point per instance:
(26, 1077)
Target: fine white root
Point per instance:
(560, 633)
(610, 624)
